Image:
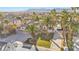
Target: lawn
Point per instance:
(43, 43)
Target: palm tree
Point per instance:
(37, 18)
(1, 28)
(72, 28)
(34, 16)
(1, 22)
(1, 17)
(69, 28)
(64, 20)
(53, 15)
(32, 29)
(47, 21)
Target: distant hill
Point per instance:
(38, 9)
(46, 9)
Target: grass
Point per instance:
(43, 43)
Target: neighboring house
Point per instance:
(17, 22)
(23, 27)
(44, 27)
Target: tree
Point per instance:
(1, 23)
(64, 20)
(1, 28)
(72, 29)
(1, 17)
(32, 29)
(6, 21)
(47, 21)
(53, 15)
(69, 28)
(34, 16)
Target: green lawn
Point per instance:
(43, 43)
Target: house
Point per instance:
(22, 27)
(17, 22)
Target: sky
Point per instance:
(20, 8)
(13, 9)
(9, 9)
(39, 3)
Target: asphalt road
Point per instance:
(19, 36)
